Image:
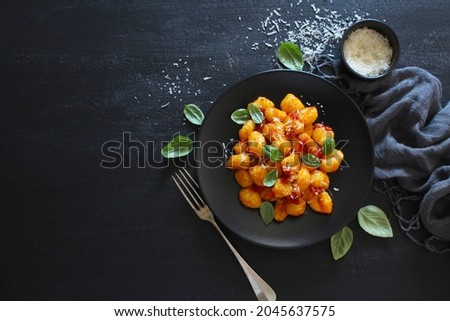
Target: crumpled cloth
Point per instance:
(411, 133)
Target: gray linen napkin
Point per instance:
(411, 134)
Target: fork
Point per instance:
(186, 184)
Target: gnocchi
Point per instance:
(283, 160)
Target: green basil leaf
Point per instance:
(341, 242)
(255, 113)
(311, 160)
(179, 146)
(266, 211)
(272, 153)
(193, 114)
(374, 221)
(290, 56)
(328, 146)
(240, 116)
(270, 178)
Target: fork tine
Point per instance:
(188, 199)
(184, 180)
(188, 178)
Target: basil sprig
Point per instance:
(179, 146)
(290, 56)
(374, 221)
(240, 116)
(194, 114)
(311, 160)
(272, 153)
(267, 212)
(255, 113)
(270, 178)
(341, 242)
(328, 146)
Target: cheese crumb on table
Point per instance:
(367, 52)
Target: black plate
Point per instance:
(349, 185)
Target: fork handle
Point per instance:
(262, 290)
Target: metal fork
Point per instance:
(188, 187)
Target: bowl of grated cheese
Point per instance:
(370, 49)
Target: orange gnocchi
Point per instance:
(285, 159)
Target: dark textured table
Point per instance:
(77, 74)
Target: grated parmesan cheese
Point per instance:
(367, 52)
(316, 36)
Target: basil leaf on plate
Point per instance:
(341, 242)
(311, 160)
(328, 146)
(290, 56)
(255, 113)
(193, 114)
(272, 153)
(270, 178)
(240, 116)
(179, 146)
(266, 211)
(374, 221)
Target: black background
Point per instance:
(77, 74)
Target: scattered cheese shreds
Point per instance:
(316, 35)
(317, 31)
